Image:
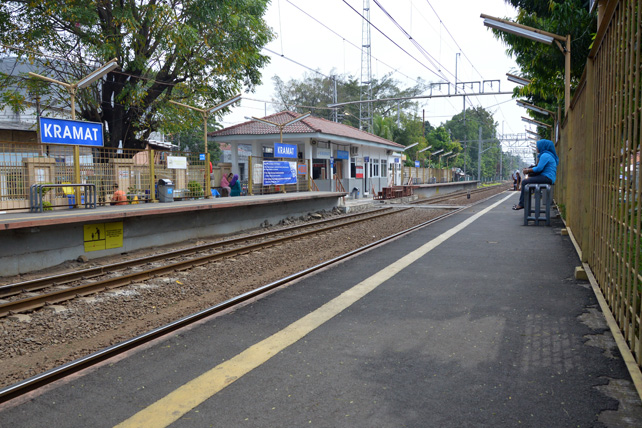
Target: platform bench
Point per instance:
(36, 195)
(537, 201)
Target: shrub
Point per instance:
(195, 190)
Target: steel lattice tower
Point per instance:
(365, 109)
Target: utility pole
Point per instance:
(479, 152)
(500, 160)
(365, 112)
(336, 111)
(456, 58)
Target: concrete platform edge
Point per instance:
(627, 355)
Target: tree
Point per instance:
(384, 127)
(543, 64)
(191, 140)
(467, 133)
(315, 91)
(199, 51)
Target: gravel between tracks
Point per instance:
(50, 338)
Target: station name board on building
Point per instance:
(284, 150)
(63, 131)
(343, 154)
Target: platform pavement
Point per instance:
(475, 321)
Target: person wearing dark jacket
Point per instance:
(544, 172)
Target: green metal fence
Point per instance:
(599, 183)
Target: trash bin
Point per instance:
(72, 200)
(355, 193)
(165, 190)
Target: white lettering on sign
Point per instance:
(62, 131)
(286, 150)
(75, 132)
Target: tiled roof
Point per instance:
(309, 125)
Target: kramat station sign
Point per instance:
(63, 131)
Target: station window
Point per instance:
(318, 169)
(384, 167)
(374, 167)
(353, 167)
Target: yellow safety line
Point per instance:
(177, 403)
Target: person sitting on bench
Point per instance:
(544, 172)
(119, 197)
(225, 184)
(235, 185)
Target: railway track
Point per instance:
(86, 282)
(436, 199)
(59, 372)
(115, 274)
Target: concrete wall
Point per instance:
(27, 249)
(426, 190)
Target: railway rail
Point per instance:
(49, 376)
(435, 199)
(171, 261)
(174, 261)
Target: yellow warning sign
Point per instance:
(114, 234)
(101, 236)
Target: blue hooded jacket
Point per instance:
(548, 160)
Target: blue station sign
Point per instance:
(284, 150)
(343, 154)
(63, 131)
(279, 172)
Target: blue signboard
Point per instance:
(343, 154)
(284, 150)
(201, 156)
(396, 160)
(416, 164)
(278, 173)
(62, 131)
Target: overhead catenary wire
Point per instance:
(394, 69)
(152, 79)
(392, 41)
(421, 49)
(441, 23)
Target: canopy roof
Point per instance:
(311, 126)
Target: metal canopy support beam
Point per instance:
(474, 94)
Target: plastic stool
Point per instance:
(533, 212)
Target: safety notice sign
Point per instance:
(103, 236)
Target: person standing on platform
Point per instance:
(225, 184)
(235, 185)
(544, 172)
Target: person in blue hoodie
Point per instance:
(545, 170)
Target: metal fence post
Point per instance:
(250, 176)
(77, 177)
(152, 177)
(208, 177)
(587, 152)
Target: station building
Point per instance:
(341, 158)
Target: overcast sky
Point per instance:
(443, 28)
